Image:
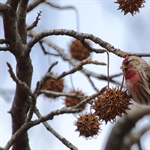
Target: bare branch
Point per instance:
(34, 24)
(66, 8)
(124, 126)
(34, 4)
(81, 37)
(134, 137)
(52, 65)
(62, 94)
(79, 67)
(93, 85)
(56, 134)
(44, 51)
(60, 7)
(22, 85)
(37, 92)
(72, 61)
(89, 98)
(139, 54)
(115, 75)
(91, 49)
(28, 125)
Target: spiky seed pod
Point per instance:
(88, 125)
(113, 102)
(73, 101)
(53, 85)
(130, 6)
(78, 50)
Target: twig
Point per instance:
(28, 125)
(34, 24)
(108, 67)
(37, 92)
(89, 98)
(60, 7)
(26, 89)
(34, 4)
(66, 8)
(91, 49)
(115, 75)
(56, 134)
(44, 78)
(62, 94)
(44, 51)
(122, 83)
(72, 61)
(93, 85)
(67, 110)
(52, 65)
(22, 85)
(79, 67)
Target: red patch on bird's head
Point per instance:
(126, 59)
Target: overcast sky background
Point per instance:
(98, 17)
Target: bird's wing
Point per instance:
(147, 71)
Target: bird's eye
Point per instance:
(127, 62)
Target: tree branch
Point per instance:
(61, 94)
(79, 67)
(72, 61)
(22, 85)
(124, 126)
(34, 24)
(34, 4)
(79, 36)
(56, 134)
(21, 20)
(134, 137)
(13, 4)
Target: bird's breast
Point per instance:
(131, 74)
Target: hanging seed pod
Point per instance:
(73, 101)
(53, 85)
(78, 50)
(130, 6)
(88, 125)
(113, 102)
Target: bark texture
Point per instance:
(14, 16)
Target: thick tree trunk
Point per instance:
(14, 17)
(20, 103)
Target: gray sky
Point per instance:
(98, 17)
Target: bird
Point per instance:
(136, 72)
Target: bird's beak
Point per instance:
(123, 67)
